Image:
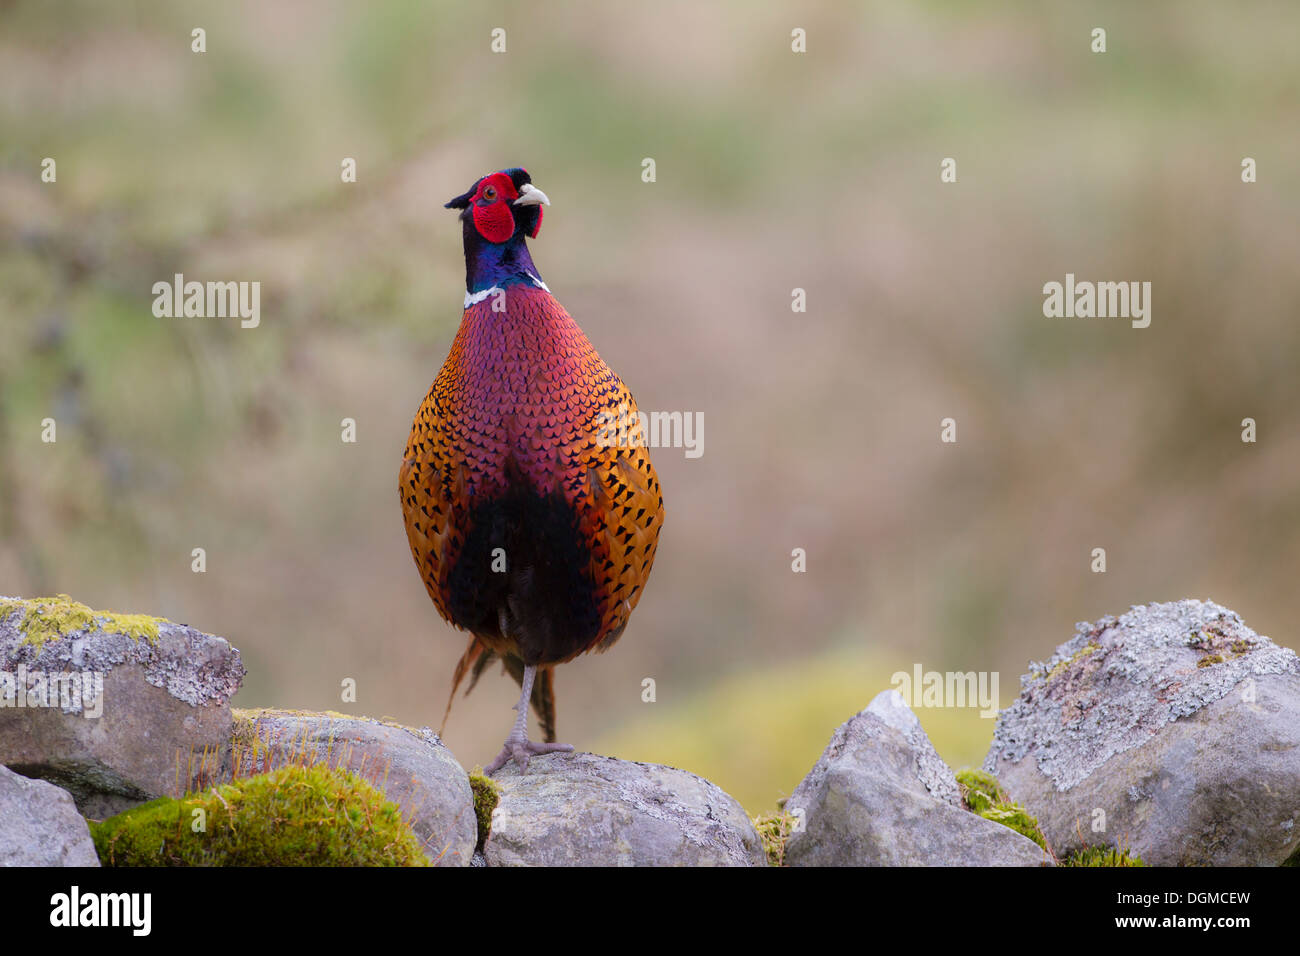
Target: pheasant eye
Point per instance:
(490, 193)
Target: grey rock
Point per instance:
(158, 725)
(411, 767)
(40, 825)
(585, 810)
(881, 796)
(1174, 730)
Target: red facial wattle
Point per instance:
(498, 212)
(492, 217)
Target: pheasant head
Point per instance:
(498, 213)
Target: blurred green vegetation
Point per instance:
(775, 170)
(758, 732)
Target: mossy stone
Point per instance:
(294, 816)
(487, 794)
(1102, 856)
(983, 795)
(50, 618)
(773, 831)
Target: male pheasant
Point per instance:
(531, 506)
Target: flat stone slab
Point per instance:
(586, 810)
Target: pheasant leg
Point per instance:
(518, 745)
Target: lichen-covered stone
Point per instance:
(139, 707)
(410, 766)
(40, 825)
(585, 810)
(881, 796)
(49, 619)
(1173, 730)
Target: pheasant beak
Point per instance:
(530, 195)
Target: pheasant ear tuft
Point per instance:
(519, 176)
(462, 201)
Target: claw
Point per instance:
(517, 745)
(520, 749)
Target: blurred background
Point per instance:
(774, 171)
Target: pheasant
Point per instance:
(530, 503)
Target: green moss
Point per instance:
(1016, 817)
(294, 816)
(243, 732)
(983, 795)
(1102, 856)
(1210, 661)
(487, 794)
(49, 618)
(979, 790)
(773, 831)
